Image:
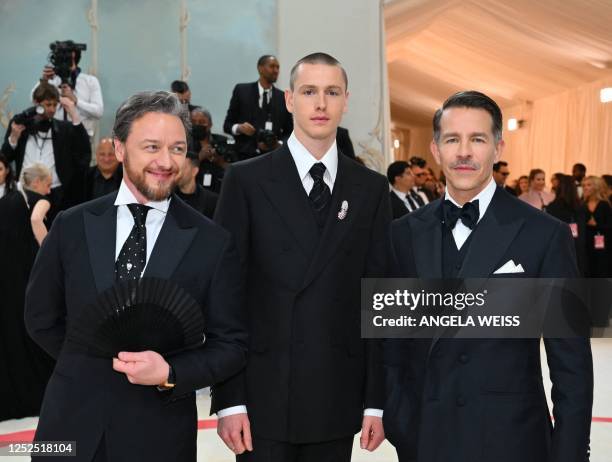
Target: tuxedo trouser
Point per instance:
(278, 451)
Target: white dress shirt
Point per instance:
(2, 190)
(462, 232)
(39, 150)
(421, 194)
(402, 197)
(125, 220)
(304, 160)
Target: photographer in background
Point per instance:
(257, 116)
(193, 193)
(83, 89)
(63, 147)
(214, 151)
(181, 89)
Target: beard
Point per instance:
(157, 192)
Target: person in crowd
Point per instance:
(537, 196)
(104, 177)
(598, 227)
(24, 367)
(567, 207)
(86, 94)
(7, 181)
(308, 222)
(36, 183)
(463, 400)
(214, 150)
(433, 188)
(181, 89)
(500, 175)
(63, 147)
(419, 193)
(257, 116)
(192, 193)
(554, 182)
(143, 231)
(522, 185)
(401, 180)
(579, 171)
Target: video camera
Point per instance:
(61, 58)
(217, 142)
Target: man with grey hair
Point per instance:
(143, 403)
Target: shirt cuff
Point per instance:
(233, 410)
(373, 412)
(235, 129)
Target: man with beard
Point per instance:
(257, 109)
(62, 147)
(140, 405)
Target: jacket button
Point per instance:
(461, 401)
(463, 358)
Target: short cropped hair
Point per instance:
(316, 58)
(179, 86)
(475, 100)
(262, 59)
(498, 165)
(396, 169)
(144, 102)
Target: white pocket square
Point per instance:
(510, 267)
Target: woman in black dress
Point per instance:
(567, 208)
(7, 182)
(24, 367)
(598, 228)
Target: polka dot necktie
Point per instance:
(133, 255)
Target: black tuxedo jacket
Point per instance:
(244, 107)
(468, 400)
(85, 399)
(398, 208)
(345, 145)
(72, 153)
(309, 374)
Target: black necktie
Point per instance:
(417, 197)
(133, 255)
(265, 103)
(319, 194)
(413, 206)
(468, 214)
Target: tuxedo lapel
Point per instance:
(426, 233)
(285, 191)
(347, 188)
(173, 241)
(100, 233)
(491, 239)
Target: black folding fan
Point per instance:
(139, 315)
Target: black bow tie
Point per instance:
(468, 214)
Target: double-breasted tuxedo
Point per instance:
(309, 375)
(483, 399)
(244, 107)
(86, 400)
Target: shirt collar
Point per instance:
(400, 194)
(484, 197)
(125, 197)
(304, 160)
(262, 89)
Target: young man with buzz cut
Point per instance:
(309, 224)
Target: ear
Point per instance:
(433, 147)
(499, 149)
(346, 99)
(289, 100)
(119, 149)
